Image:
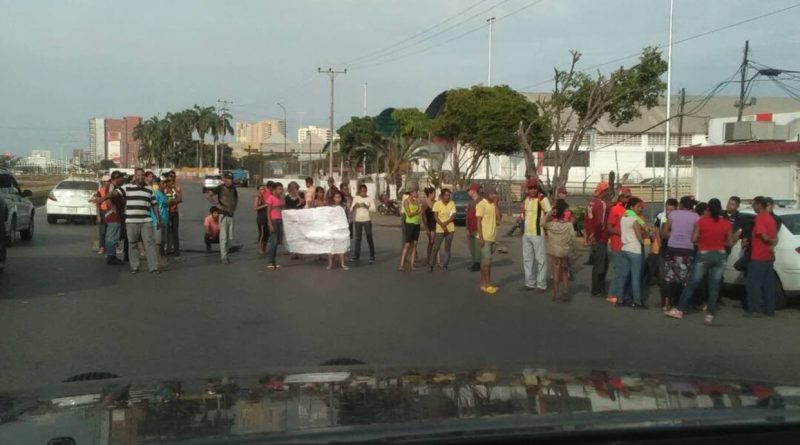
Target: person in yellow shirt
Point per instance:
(534, 255)
(444, 211)
(488, 214)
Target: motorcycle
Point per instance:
(389, 206)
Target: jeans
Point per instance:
(713, 264)
(629, 273)
(474, 247)
(365, 226)
(225, 235)
(275, 236)
(599, 256)
(263, 235)
(111, 239)
(173, 241)
(101, 229)
(760, 281)
(143, 231)
(437, 243)
(622, 293)
(534, 261)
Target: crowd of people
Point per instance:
(689, 242)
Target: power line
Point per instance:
(459, 36)
(684, 40)
(424, 31)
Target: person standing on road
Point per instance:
(560, 246)
(226, 198)
(112, 215)
(175, 195)
(275, 220)
(678, 230)
(310, 192)
(337, 200)
(348, 203)
(211, 228)
(488, 214)
(101, 211)
(260, 206)
(632, 234)
(760, 278)
(597, 237)
(361, 208)
(713, 235)
(429, 222)
(162, 209)
(474, 193)
(138, 221)
(534, 256)
(615, 242)
(412, 225)
(444, 211)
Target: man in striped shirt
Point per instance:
(138, 202)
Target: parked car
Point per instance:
(787, 257)
(69, 200)
(19, 209)
(211, 182)
(462, 200)
(3, 210)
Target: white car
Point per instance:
(69, 200)
(787, 256)
(211, 182)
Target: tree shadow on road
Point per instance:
(31, 277)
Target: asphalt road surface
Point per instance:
(64, 312)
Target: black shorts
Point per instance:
(412, 232)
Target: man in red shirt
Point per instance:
(760, 276)
(615, 239)
(597, 237)
(472, 227)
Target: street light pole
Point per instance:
(669, 104)
(490, 21)
(220, 113)
(284, 128)
(332, 73)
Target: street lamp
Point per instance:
(284, 127)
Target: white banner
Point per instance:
(316, 231)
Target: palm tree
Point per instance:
(220, 126)
(146, 133)
(398, 153)
(202, 119)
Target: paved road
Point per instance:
(63, 312)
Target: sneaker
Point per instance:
(101, 251)
(225, 261)
(134, 270)
(345, 268)
(372, 260)
(611, 299)
(328, 268)
(708, 320)
(270, 267)
(674, 313)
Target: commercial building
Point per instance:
(112, 139)
(41, 154)
(255, 133)
(320, 132)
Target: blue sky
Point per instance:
(66, 61)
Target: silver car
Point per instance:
(211, 182)
(69, 200)
(18, 210)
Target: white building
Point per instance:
(635, 151)
(323, 133)
(256, 133)
(44, 154)
(97, 138)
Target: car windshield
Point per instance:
(77, 185)
(216, 188)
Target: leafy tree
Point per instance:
(579, 101)
(202, 120)
(397, 153)
(411, 122)
(480, 121)
(221, 126)
(354, 135)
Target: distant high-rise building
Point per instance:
(254, 134)
(323, 133)
(112, 139)
(40, 154)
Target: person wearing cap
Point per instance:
(474, 193)
(597, 237)
(101, 210)
(162, 208)
(488, 215)
(614, 231)
(225, 197)
(534, 255)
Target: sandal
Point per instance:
(674, 313)
(491, 290)
(708, 320)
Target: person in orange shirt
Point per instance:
(211, 226)
(102, 208)
(615, 239)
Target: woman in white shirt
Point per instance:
(632, 232)
(361, 207)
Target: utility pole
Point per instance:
(490, 21)
(284, 128)
(332, 74)
(223, 109)
(743, 85)
(365, 99)
(669, 104)
(681, 105)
